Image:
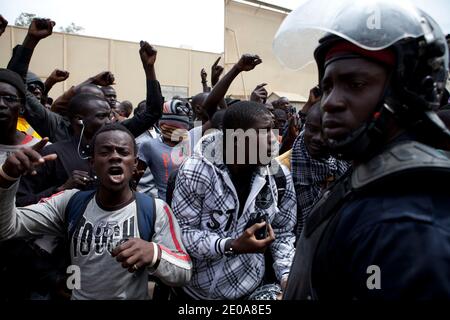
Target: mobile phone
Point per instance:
(262, 232)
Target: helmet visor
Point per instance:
(369, 24)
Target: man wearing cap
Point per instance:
(382, 230)
(165, 154)
(37, 88)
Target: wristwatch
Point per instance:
(228, 250)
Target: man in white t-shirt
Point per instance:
(107, 270)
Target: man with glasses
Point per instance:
(16, 253)
(12, 100)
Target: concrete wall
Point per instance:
(251, 29)
(248, 29)
(85, 56)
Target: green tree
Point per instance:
(24, 19)
(71, 28)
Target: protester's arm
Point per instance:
(246, 63)
(187, 204)
(46, 217)
(164, 257)
(46, 181)
(174, 267)
(60, 105)
(45, 122)
(20, 60)
(259, 94)
(3, 24)
(283, 248)
(154, 102)
(314, 96)
(55, 77)
(204, 76)
(216, 72)
(33, 188)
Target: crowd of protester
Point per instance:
(210, 197)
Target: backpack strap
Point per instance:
(171, 182)
(75, 209)
(146, 215)
(280, 181)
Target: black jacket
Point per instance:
(52, 174)
(387, 239)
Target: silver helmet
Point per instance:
(418, 79)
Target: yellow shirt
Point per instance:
(285, 158)
(24, 126)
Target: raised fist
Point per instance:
(248, 62)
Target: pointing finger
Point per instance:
(217, 61)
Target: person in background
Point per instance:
(312, 167)
(165, 154)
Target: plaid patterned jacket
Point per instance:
(310, 177)
(206, 206)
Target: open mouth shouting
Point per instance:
(116, 174)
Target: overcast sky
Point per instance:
(196, 24)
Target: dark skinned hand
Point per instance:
(78, 180)
(216, 72)
(203, 75)
(40, 28)
(135, 251)
(58, 76)
(247, 242)
(148, 54)
(259, 94)
(3, 24)
(103, 79)
(26, 160)
(248, 62)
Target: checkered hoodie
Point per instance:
(309, 176)
(206, 206)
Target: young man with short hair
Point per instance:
(108, 269)
(231, 207)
